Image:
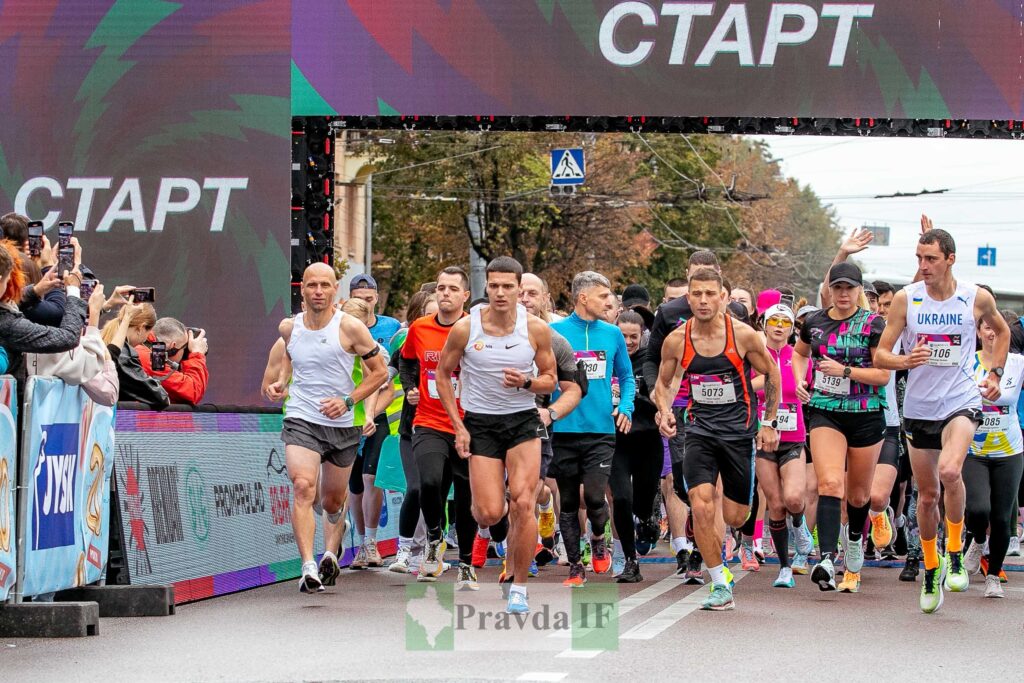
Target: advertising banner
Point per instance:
(8, 484)
(162, 130)
(206, 502)
(931, 59)
(68, 444)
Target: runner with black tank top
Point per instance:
(669, 317)
(936, 317)
(320, 437)
(497, 348)
(845, 418)
(781, 474)
(715, 354)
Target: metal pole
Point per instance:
(368, 257)
(477, 264)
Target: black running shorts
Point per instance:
(708, 457)
(492, 436)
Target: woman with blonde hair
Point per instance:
(121, 335)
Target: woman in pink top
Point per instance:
(781, 474)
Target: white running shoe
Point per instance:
(433, 558)
(1014, 549)
(993, 587)
(854, 556)
(310, 580)
(972, 558)
(401, 563)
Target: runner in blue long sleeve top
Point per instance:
(584, 441)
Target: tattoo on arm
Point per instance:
(771, 396)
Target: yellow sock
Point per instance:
(931, 552)
(954, 536)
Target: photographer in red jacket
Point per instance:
(184, 375)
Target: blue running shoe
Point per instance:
(533, 569)
(517, 603)
(719, 600)
(499, 549)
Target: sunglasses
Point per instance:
(779, 322)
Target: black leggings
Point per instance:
(636, 473)
(992, 485)
(439, 467)
(409, 516)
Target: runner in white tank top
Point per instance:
(484, 361)
(497, 348)
(937, 319)
(320, 439)
(945, 384)
(320, 369)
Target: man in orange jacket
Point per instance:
(184, 377)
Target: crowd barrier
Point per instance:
(204, 501)
(54, 488)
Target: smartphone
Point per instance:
(144, 295)
(65, 229)
(65, 259)
(35, 238)
(158, 356)
(88, 285)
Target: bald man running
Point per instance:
(320, 438)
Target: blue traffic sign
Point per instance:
(986, 256)
(567, 167)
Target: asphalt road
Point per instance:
(366, 626)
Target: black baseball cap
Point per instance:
(363, 281)
(635, 294)
(869, 289)
(845, 273)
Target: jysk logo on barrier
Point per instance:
(53, 514)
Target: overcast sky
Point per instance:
(984, 205)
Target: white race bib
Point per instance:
(712, 390)
(596, 363)
(836, 386)
(615, 391)
(994, 419)
(432, 384)
(945, 349)
(786, 418)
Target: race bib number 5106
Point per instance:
(945, 349)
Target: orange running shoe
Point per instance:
(601, 560)
(881, 530)
(577, 576)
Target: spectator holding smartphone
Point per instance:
(185, 375)
(88, 365)
(18, 334)
(122, 335)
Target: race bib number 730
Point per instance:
(596, 363)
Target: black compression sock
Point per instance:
(499, 532)
(828, 523)
(780, 537)
(858, 517)
(798, 520)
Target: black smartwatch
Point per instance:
(528, 383)
(847, 371)
(998, 372)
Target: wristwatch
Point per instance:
(774, 424)
(998, 372)
(528, 383)
(846, 372)
(348, 402)
(553, 414)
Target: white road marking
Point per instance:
(638, 599)
(542, 676)
(665, 619)
(578, 654)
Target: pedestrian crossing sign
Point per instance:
(567, 167)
